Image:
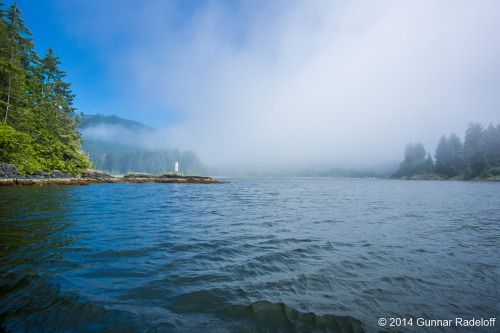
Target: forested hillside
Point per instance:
(38, 127)
(478, 157)
(90, 120)
(118, 146)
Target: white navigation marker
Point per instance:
(176, 166)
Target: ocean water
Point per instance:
(255, 255)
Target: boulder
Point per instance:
(134, 175)
(93, 174)
(8, 171)
(169, 176)
(42, 174)
(59, 174)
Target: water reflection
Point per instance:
(37, 229)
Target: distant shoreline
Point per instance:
(438, 178)
(78, 181)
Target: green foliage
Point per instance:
(414, 152)
(415, 162)
(478, 157)
(449, 156)
(418, 167)
(39, 121)
(430, 166)
(495, 171)
(474, 150)
(492, 145)
(146, 161)
(481, 151)
(16, 148)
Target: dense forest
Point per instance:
(478, 157)
(149, 161)
(38, 127)
(90, 120)
(123, 148)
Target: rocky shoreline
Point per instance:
(10, 176)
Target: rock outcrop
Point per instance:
(167, 178)
(94, 174)
(423, 177)
(10, 176)
(60, 175)
(8, 171)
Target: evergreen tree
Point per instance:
(492, 146)
(449, 156)
(474, 151)
(414, 152)
(108, 162)
(429, 164)
(478, 156)
(21, 53)
(21, 34)
(37, 116)
(415, 162)
(456, 161)
(442, 156)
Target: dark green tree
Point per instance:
(449, 156)
(21, 55)
(442, 156)
(456, 155)
(415, 162)
(430, 166)
(37, 112)
(108, 164)
(474, 151)
(21, 34)
(492, 146)
(414, 152)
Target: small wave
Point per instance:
(210, 306)
(264, 316)
(197, 301)
(36, 303)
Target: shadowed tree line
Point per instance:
(478, 157)
(38, 124)
(117, 156)
(148, 161)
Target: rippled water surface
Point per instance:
(253, 255)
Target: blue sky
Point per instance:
(90, 38)
(93, 39)
(281, 81)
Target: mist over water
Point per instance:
(254, 255)
(280, 83)
(111, 139)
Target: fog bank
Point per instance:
(279, 83)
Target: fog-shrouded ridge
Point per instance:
(314, 83)
(118, 146)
